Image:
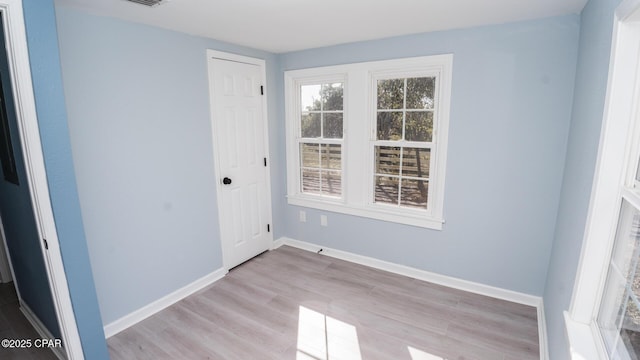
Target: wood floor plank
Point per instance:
(133, 344)
(498, 322)
(223, 313)
(293, 304)
(246, 290)
(214, 334)
(499, 341)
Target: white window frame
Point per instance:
(434, 191)
(317, 80)
(359, 135)
(618, 152)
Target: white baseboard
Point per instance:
(448, 281)
(542, 332)
(162, 303)
(277, 243)
(42, 330)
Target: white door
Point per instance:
(240, 148)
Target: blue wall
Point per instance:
(52, 119)
(139, 122)
(510, 109)
(586, 122)
(138, 104)
(21, 230)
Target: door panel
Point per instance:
(239, 126)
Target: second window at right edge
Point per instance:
(403, 145)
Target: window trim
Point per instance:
(359, 134)
(320, 140)
(614, 158)
(438, 142)
(294, 137)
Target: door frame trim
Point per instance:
(220, 55)
(27, 121)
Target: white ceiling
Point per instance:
(287, 25)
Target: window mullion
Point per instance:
(404, 110)
(320, 141)
(400, 176)
(404, 139)
(321, 123)
(416, 144)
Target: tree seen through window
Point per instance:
(321, 130)
(404, 122)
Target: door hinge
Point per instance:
(268, 227)
(46, 244)
(265, 161)
(261, 90)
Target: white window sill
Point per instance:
(582, 340)
(400, 216)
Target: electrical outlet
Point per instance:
(323, 220)
(303, 216)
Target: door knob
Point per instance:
(226, 181)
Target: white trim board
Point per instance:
(448, 281)
(27, 121)
(42, 330)
(162, 303)
(543, 341)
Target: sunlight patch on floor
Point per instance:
(421, 355)
(322, 337)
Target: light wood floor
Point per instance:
(13, 325)
(289, 303)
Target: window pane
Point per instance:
(387, 160)
(630, 331)
(332, 183)
(616, 316)
(309, 155)
(420, 93)
(320, 169)
(391, 94)
(419, 126)
(332, 98)
(311, 181)
(415, 162)
(331, 156)
(310, 97)
(611, 308)
(386, 190)
(332, 126)
(624, 255)
(390, 125)
(310, 125)
(414, 193)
